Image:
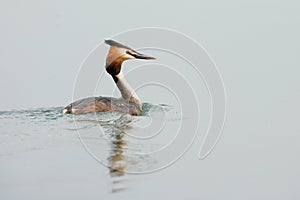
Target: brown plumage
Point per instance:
(102, 104)
(129, 102)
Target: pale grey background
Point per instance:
(254, 43)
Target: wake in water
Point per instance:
(111, 138)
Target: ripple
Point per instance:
(38, 129)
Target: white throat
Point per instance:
(126, 91)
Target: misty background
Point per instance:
(254, 43)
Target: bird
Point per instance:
(129, 102)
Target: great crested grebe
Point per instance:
(129, 102)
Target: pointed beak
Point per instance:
(139, 55)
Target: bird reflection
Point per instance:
(117, 161)
(123, 150)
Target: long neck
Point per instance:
(126, 91)
(113, 67)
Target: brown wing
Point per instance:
(102, 104)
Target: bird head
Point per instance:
(119, 53)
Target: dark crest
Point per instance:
(117, 44)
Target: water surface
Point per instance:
(120, 144)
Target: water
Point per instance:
(46, 155)
(119, 144)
